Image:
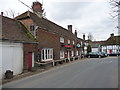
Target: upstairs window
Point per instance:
(61, 40)
(68, 41)
(73, 42)
(32, 27)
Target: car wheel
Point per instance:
(88, 56)
(99, 56)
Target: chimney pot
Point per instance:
(76, 33)
(70, 28)
(37, 7)
(1, 13)
(83, 36)
(112, 34)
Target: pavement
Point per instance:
(91, 73)
(27, 73)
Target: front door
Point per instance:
(29, 61)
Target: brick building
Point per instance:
(55, 42)
(18, 46)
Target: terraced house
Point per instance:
(17, 46)
(55, 42)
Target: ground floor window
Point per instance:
(61, 54)
(47, 54)
(76, 53)
(72, 54)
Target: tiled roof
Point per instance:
(114, 40)
(13, 30)
(96, 44)
(47, 24)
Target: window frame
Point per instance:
(62, 54)
(68, 41)
(62, 40)
(46, 54)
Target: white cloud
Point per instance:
(85, 15)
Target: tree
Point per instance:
(116, 11)
(10, 13)
(89, 49)
(90, 36)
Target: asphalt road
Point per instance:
(92, 73)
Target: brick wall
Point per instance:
(26, 49)
(49, 40)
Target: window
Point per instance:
(61, 54)
(61, 40)
(68, 41)
(47, 54)
(73, 42)
(72, 53)
(76, 53)
(32, 27)
(81, 43)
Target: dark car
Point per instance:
(114, 54)
(96, 55)
(103, 54)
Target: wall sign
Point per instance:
(78, 45)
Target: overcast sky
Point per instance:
(86, 16)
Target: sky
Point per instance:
(86, 16)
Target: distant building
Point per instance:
(96, 46)
(111, 45)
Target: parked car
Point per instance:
(103, 54)
(114, 54)
(96, 55)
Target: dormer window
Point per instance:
(32, 27)
(61, 40)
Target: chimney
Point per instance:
(37, 8)
(70, 28)
(76, 33)
(112, 34)
(1, 13)
(83, 36)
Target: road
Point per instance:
(92, 73)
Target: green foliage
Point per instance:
(89, 49)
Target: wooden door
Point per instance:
(29, 61)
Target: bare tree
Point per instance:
(90, 36)
(10, 13)
(115, 4)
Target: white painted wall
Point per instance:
(12, 57)
(95, 50)
(114, 48)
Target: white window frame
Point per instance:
(62, 54)
(48, 56)
(72, 53)
(61, 40)
(73, 42)
(77, 53)
(68, 41)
